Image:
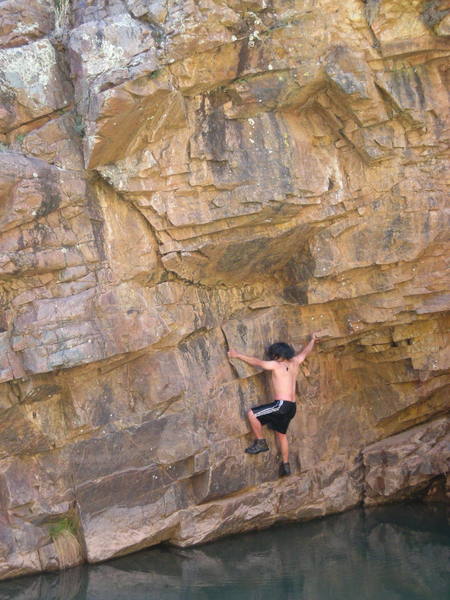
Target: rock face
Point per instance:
(181, 177)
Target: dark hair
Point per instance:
(280, 350)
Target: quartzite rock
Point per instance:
(395, 468)
(178, 178)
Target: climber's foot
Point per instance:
(257, 446)
(285, 469)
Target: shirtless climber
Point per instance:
(283, 364)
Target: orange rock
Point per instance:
(181, 178)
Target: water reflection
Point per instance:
(390, 553)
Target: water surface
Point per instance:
(397, 552)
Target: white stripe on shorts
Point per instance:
(267, 411)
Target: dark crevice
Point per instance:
(41, 120)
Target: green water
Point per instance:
(392, 553)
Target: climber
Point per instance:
(283, 364)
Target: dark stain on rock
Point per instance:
(242, 402)
(49, 187)
(419, 89)
(239, 256)
(198, 348)
(40, 234)
(406, 87)
(41, 392)
(389, 234)
(103, 409)
(215, 134)
(205, 354)
(286, 179)
(99, 37)
(21, 242)
(242, 330)
(296, 294)
(276, 128)
(97, 224)
(432, 13)
(284, 169)
(388, 237)
(243, 58)
(361, 245)
(426, 227)
(301, 268)
(439, 124)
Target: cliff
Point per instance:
(181, 177)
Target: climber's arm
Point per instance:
(300, 357)
(267, 365)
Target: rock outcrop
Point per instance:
(182, 177)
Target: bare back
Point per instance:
(283, 380)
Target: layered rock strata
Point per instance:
(182, 177)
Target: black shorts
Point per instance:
(277, 415)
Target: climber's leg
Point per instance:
(283, 446)
(255, 424)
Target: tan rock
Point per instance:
(406, 463)
(178, 178)
(55, 142)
